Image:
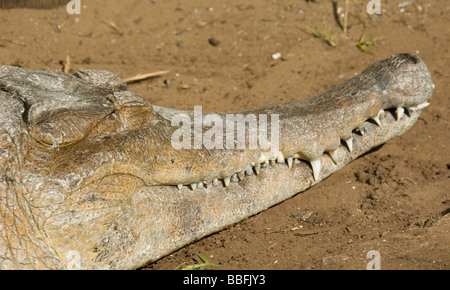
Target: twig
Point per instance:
(67, 64)
(144, 76)
(14, 41)
(409, 179)
(111, 24)
(345, 17)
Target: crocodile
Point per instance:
(90, 176)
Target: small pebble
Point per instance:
(276, 55)
(213, 41)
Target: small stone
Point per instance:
(213, 41)
(276, 55)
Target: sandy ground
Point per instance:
(394, 200)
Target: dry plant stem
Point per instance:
(145, 76)
(67, 64)
(345, 17)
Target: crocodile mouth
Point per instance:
(393, 119)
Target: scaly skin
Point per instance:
(89, 177)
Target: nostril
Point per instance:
(411, 57)
(398, 60)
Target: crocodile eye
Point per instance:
(60, 109)
(63, 126)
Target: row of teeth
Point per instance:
(315, 164)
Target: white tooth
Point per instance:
(226, 181)
(433, 86)
(400, 111)
(267, 163)
(360, 131)
(194, 186)
(316, 168)
(377, 120)
(241, 175)
(234, 178)
(420, 107)
(349, 142)
(200, 185)
(280, 158)
(216, 182)
(180, 186)
(249, 170)
(334, 156)
(257, 168)
(262, 158)
(289, 161)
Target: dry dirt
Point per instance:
(395, 200)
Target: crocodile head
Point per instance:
(93, 176)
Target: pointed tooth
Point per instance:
(400, 111)
(262, 158)
(423, 105)
(289, 162)
(420, 107)
(316, 168)
(226, 181)
(200, 185)
(377, 120)
(216, 182)
(257, 168)
(266, 164)
(234, 177)
(249, 170)
(180, 186)
(280, 158)
(193, 186)
(241, 175)
(349, 142)
(334, 156)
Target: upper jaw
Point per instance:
(310, 128)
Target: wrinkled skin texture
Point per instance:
(88, 175)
